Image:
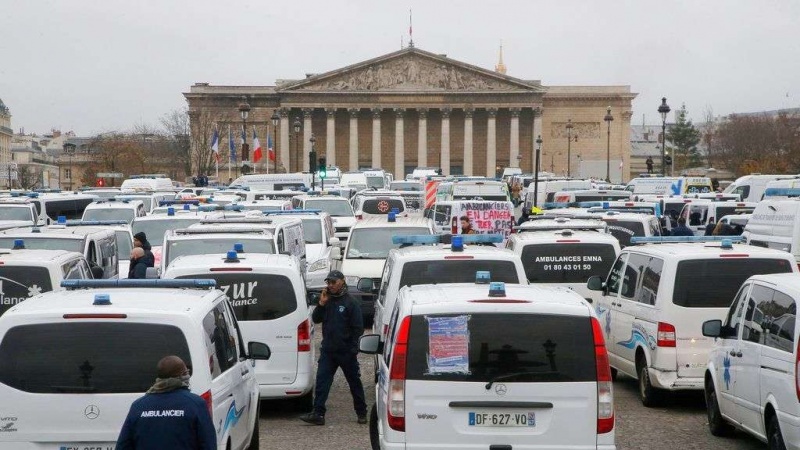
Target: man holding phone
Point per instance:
(342, 325)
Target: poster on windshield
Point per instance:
(448, 345)
(487, 217)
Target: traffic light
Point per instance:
(312, 162)
(100, 182)
(323, 168)
(668, 160)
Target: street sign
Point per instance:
(110, 175)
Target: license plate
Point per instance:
(87, 446)
(521, 419)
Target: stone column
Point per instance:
(513, 160)
(537, 131)
(422, 142)
(330, 137)
(376, 137)
(468, 141)
(399, 145)
(491, 143)
(306, 136)
(445, 155)
(353, 139)
(285, 149)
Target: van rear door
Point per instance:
(533, 385)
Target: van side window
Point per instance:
(633, 275)
(651, 277)
(754, 322)
(72, 271)
(220, 344)
(281, 242)
(387, 270)
(780, 316)
(615, 276)
(733, 321)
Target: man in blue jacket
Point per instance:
(342, 326)
(169, 415)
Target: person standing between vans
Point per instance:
(466, 226)
(140, 240)
(681, 229)
(169, 415)
(138, 266)
(649, 164)
(342, 325)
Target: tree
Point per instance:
(175, 129)
(28, 177)
(684, 138)
(765, 143)
(203, 123)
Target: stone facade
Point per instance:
(6, 133)
(412, 107)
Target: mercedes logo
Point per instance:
(500, 389)
(91, 412)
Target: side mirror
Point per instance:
(712, 328)
(370, 344)
(258, 350)
(595, 283)
(151, 273)
(365, 285)
(312, 298)
(336, 253)
(97, 272)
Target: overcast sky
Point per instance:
(99, 65)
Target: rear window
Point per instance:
(16, 213)
(256, 296)
(712, 283)
(501, 347)
(18, 283)
(188, 247)
(84, 357)
(456, 271)
(109, 214)
(567, 262)
(381, 205)
(45, 243)
(624, 230)
(155, 229)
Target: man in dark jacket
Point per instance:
(169, 415)
(681, 229)
(138, 266)
(140, 240)
(342, 325)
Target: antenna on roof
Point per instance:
(410, 30)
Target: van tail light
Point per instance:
(454, 225)
(397, 379)
(206, 396)
(304, 337)
(797, 372)
(666, 335)
(605, 394)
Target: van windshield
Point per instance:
(84, 357)
(375, 243)
(456, 271)
(712, 283)
(206, 246)
(155, 229)
(480, 347)
(336, 208)
(255, 296)
(45, 243)
(567, 263)
(109, 214)
(18, 283)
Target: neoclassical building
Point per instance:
(6, 134)
(414, 108)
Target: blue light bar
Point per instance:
(178, 202)
(233, 208)
(419, 239)
(139, 283)
(482, 238)
(684, 239)
(90, 223)
(292, 211)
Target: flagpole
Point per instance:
(268, 147)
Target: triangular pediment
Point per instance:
(411, 70)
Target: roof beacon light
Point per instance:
(726, 244)
(483, 277)
(102, 300)
(19, 244)
(497, 289)
(231, 257)
(238, 247)
(198, 283)
(187, 207)
(392, 217)
(62, 220)
(170, 211)
(605, 205)
(684, 239)
(457, 243)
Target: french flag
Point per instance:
(257, 153)
(270, 148)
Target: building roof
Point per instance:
(3, 108)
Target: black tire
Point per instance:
(774, 436)
(254, 438)
(374, 437)
(716, 424)
(649, 395)
(613, 374)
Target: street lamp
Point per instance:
(608, 118)
(312, 158)
(569, 146)
(275, 119)
(536, 170)
(297, 124)
(663, 109)
(69, 149)
(244, 110)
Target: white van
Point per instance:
(275, 181)
(50, 207)
(751, 188)
(753, 378)
(590, 195)
(148, 184)
(97, 348)
(268, 297)
(669, 185)
(449, 379)
(113, 209)
(656, 297)
(775, 224)
(472, 189)
(17, 212)
(699, 214)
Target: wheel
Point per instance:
(774, 437)
(254, 438)
(649, 395)
(305, 402)
(716, 424)
(374, 437)
(613, 374)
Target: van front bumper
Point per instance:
(304, 383)
(670, 381)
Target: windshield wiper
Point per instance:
(74, 389)
(519, 374)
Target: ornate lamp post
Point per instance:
(663, 109)
(276, 118)
(536, 170)
(312, 158)
(296, 125)
(569, 127)
(608, 118)
(244, 110)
